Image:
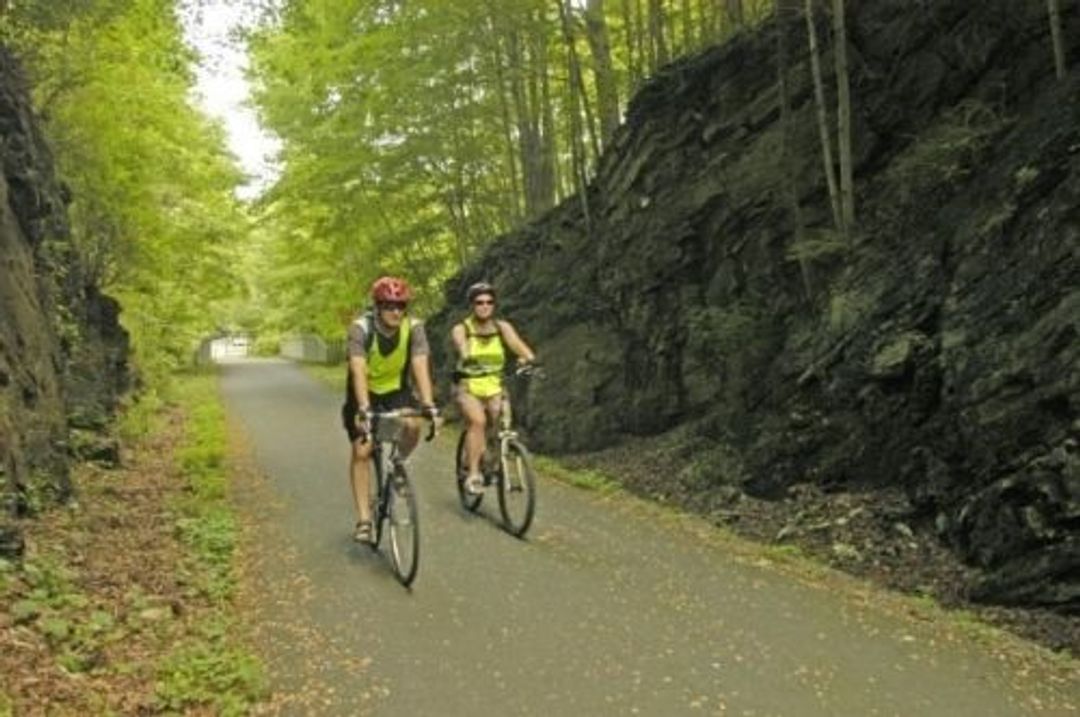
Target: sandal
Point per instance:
(363, 531)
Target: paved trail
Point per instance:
(610, 608)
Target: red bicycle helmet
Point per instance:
(391, 289)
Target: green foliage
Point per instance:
(333, 376)
(142, 416)
(584, 478)
(723, 330)
(56, 609)
(207, 525)
(39, 492)
(785, 553)
(947, 153)
(213, 538)
(711, 464)
(821, 244)
(411, 132)
(846, 309)
(208, 670)
(8, 570)
(153, 217)
(209, 673)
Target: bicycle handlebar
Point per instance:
(433, 423)
(522, 370)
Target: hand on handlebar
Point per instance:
(362, 421)
(431, 413)
(529, 368)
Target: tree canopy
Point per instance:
(153, 213)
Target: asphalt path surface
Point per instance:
(610, 606)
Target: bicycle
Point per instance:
(392, 495)
(506, 463)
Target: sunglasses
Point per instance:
(392, 306)
(483, 302)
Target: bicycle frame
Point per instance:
(386, 430)
(503, 448)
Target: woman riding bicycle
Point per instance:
(482, 342)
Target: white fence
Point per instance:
(216, 349)
(312, 348)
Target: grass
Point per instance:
(208, 669)
(123, 601)
(586, 479)
(332, 375)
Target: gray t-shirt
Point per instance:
(358, 338)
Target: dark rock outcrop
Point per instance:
(940, 354)
(63, 354)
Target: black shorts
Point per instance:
(384, 402)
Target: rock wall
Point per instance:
(63, 354)
(940, 354)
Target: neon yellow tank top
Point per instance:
(490, 355)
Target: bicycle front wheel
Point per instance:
(469, 501)
(517, 488)
(403, 526)
(377, 496)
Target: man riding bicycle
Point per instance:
(388, 357)
(482, 342)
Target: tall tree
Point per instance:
(735, 13)
(577, 145)
(607, 93)
(630, 39)
(687, 25)
(658, 43)
(824, 131)
(153, 213)
(1053, 8)
(787, 169)
(843, 121)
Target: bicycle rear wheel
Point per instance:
(404, 526)
(469, 501)
(517, 488)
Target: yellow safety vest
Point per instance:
(489, 354)
(388, 373)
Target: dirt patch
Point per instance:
(871, 535)
(103, 597)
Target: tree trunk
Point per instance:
(527, 130)
(644, 36)
(843, 120)
(1054, 10)
(657, 34)
(549, 141)
(824, 131)
(735, 13)
(633, 58)
(705, 22)
(502, 90)
(787, 168)
(687, 26)
(607, 93)
(577, 145)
